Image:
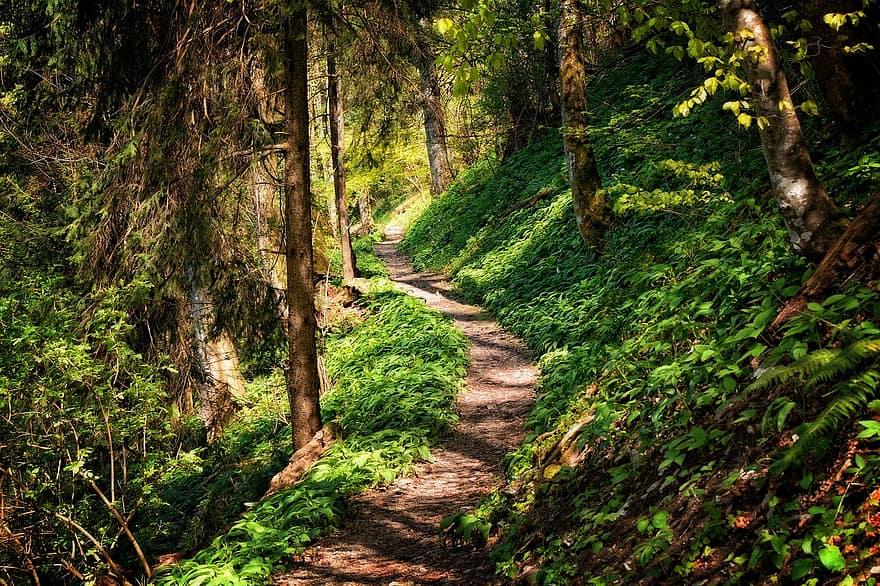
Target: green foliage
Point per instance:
(83, 407)
(464, 527)
(650, 348)
(275, 529)
(401, 370)
(846, 378)
(388, 165)
(368, 264)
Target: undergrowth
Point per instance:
(395, 373)
(654, 456)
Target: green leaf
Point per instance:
(810, 108)
(801, 568)
(783, 414)
(444, 25)
(872, 429)
(660, 519)
(711, 85)
(832, 559)
(539, 40)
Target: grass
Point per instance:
(679, 470)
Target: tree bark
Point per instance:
(590, 207)
(811, 217)
(222, 385)
(267, 205)
(336, 112)
(302, 376)
(267, 195)
(303, 458)
(855, 256)
(365, 209)
(435, 119)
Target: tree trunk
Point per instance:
(302, 375)
(222, 385)
(854, 257)
(435, 120)
(335, 111)
(267, 206)
(365, 209)
(267, 195)
(850, 82)
(590, 207)
(812, 219)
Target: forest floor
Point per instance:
(393, 537)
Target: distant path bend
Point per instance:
(393, 539)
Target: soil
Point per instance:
(393, 537)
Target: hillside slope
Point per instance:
(654, 457)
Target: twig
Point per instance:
(69, 567)
(124, 525)
(114, 567)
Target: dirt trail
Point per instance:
(393, 538)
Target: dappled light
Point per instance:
(478, 292)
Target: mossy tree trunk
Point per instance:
(267, 205)
(303, 382)
(336, 112)
(811, 217)
(590, 207)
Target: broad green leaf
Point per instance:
(831, 558)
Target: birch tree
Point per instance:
(811, 217)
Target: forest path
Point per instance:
(393, 537)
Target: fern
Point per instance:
(848, 378)
(845, 360)
(798, 370)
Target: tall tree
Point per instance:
(400, 36)
(303, 382)
(221, 386)
(433, 111)
(590, 206)
(811, 217)
(336, 114)
(265, 188)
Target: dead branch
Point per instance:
(524, 204)
(114, 567)
(855, 255)
(124, 525)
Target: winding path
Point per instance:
(393, 537)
